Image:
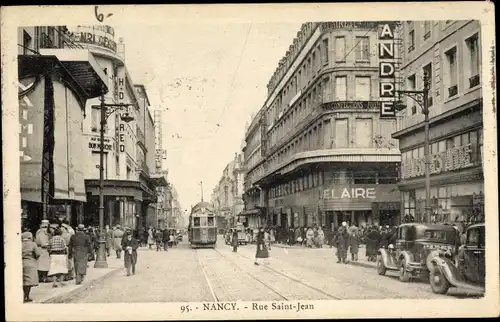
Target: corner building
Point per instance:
(326, 154)
(450, 52)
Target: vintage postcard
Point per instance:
(238, 162)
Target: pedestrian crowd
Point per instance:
(162, 238)
(58, 253)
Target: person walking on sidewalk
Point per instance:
(159, 238)
(78, 250)
(30, 254)
(130, 245)
(42, 238)
(117, 241)
(354, 244)
(341, 243)
(165, 236)
(262, 251)
(67, 232)
(151, 237)
(108, 234)
(234, 241)
(58, 258)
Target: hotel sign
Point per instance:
(120, 81)
(452, 159)
(387, 70)
(102, 36)
(349, 193)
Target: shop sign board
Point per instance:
(95, 144)
(450, 160)
(387, 70)
(102, 36)
(360, 192)
(120, 81)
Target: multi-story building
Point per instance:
(164, 204)
(55, 86)
(227, 196)
(328, 154)
(450, 53)
(129, 148)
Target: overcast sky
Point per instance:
(209, 79)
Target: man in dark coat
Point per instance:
(79, 249)
(165, 238)
(372, 240)
(130, 245)
(340, 241)
(234, 240)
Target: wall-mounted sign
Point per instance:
(95, 144)
(356, 105)
(120, 81)
(102, 36)
(387, 70)
(450, 160)
(361, 192)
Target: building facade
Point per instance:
(57, 79)
(450, 53)
(327, 154)
(227, 195)
(129, 191)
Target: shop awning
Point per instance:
(82, 65)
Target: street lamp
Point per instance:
(421, 98)
(126, 117)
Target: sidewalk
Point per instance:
(45, 293)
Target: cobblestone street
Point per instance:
(183, 274)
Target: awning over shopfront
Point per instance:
(83, 67)
(119, 188)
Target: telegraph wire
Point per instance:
(236, 71)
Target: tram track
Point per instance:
(276, 272)
(209, 284)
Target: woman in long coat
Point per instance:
(117, 241)
(262, 251)
(321, 237)
(372, 239)
(151, 237)
(130, 245)
(67, 232)
(42, 238)
(30, 254)
(78, 250)
(234, 240)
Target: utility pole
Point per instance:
(201, 186)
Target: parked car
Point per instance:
(416, 245)
(467, 271)
(242, 236)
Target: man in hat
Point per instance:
(42, 238)
(130, 245)
(79, 249)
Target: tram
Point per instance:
(202, 229)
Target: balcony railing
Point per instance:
(474, 81)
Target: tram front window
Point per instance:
(210, 221)
(196, 222)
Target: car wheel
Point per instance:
(404, 275)
(439, 283)
(381, 269)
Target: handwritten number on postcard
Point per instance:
(99, 16)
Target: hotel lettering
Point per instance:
(121, 98)
(387, 71)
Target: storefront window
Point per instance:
(409, 203)
(421, 152)
(441, 146)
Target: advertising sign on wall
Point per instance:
(102, 36)
(95, 144)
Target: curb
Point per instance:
(62, 298)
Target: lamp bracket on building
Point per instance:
(417, 96)
(111, 108)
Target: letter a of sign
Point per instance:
(386, 32)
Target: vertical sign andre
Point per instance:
(387, 70)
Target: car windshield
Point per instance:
(441, 235)
(475, 237)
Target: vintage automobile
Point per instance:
(416, 245)
(468, 269)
